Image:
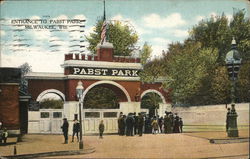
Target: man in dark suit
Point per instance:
(76, 130)
(65, 128)
(140, 124)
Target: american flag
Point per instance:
(103, 31)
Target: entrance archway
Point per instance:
(51, 111)
(154, 91)
(92, 116)
(152, 100)
(120, 91)
(54, 91)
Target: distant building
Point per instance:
(13, 101)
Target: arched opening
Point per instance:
(104, 95)
(150, 100)
(100, 97)
(51, 99)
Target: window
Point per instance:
(110, 114)
(57, 114)
(44, 115)
(92, 114)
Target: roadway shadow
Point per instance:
(8, 143)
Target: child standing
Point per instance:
(101, 129)
(155, 125)
(4, 135)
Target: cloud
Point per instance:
(41, 61)
(161, 41)
(171, 21)
(180, 33)
(35, 17)
(229, 17)
(41, 34)
(61, 17)
(130, 23)
(212, 14)
(157, 51)
(80, 16)
(2, 33)
(89, 30)
(199, 18)
(159, 44)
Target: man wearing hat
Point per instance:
(65, 128)
(76, 130)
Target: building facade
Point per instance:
(118, 73)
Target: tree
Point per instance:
(51, 104)
(120, 35)
(187, 68)
(145, 53)
(195, 70)
(25, 68)
(151, 101)
(101, 98)
(217, 33)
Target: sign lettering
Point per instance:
(104, 71)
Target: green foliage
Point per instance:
(220, 86)
(217, 32)
(25, 68)
(51, 104)
(120, 35)
(187, 70)
(101, 98)
(195, 71)
(151, 101)
(243, 89)
(147, 74)
(145, 53)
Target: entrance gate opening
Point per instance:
(107, 111)
(92, 118)
(51, 121)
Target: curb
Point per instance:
(55, 153)
(223, 141)
(228, 141)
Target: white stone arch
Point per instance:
(107, 82)
(59, 93)
(154, 91)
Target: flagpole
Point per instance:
(103, 31)
(104, 13)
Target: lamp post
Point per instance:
(79, 92)
(233, 62)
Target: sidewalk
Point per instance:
(43, 144)
(182, 145)
(220, 137)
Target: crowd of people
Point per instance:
(134, 124)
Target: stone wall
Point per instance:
(212, 117)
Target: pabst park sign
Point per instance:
(97, 71)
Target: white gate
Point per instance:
(51, 121)
(92, 118)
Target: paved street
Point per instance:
(186, 145)
(161, 146)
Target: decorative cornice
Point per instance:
(115, 78)
(61, 76)
(101, 64)
(45, 75)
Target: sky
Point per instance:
(157, 22)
